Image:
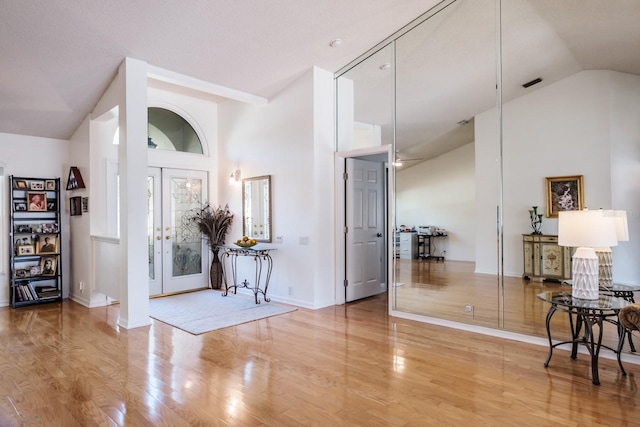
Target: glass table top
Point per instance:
(604, 302)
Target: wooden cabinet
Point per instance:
(408, 245)
(544, 259)
(34, 230)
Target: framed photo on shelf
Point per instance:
(37, 185)
(20, 184)
(47, 244)
(19, 206)
(564, 193)
(48, 266)
(25, 250)
(50, 228)
(50, 185)
(22, 228)
(23, 241)
(37, 201)
(20, 273)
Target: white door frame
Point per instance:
(340, 209)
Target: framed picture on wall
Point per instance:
(564, 193)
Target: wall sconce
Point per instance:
(234, 177)
(586, 230)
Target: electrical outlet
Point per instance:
(290, 290)
(81, 286)
(304, 240)
(279, 240)
(468, 309)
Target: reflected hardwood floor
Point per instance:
(443, 289)
(66, 365)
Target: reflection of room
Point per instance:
(579, 120)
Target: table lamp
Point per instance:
(586, 230)
(605, 256)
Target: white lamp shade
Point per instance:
(592, 229)
(622, 228)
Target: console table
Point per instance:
(589, 313)
(544, 259)
(263, 264)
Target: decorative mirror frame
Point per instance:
(251, 189)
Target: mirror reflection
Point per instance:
(256, 208)
(474, 168)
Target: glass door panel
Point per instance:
(187, 248)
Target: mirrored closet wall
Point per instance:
(481, 101)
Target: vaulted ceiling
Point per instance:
(59, 56)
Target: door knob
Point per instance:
(158, 238)
(167, 237)
(379, 235)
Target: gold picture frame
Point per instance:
(37, 201)
(564, 193)
(47, 244)
(48, 266)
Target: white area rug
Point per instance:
(204, 311)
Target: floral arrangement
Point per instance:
(536, 220)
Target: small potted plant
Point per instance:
(214, 224)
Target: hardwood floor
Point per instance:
(67, 365)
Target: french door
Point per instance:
(178, 256)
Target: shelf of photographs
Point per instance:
(35, 279)
(35, 241)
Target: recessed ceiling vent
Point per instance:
(532, 82)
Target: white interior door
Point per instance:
(178, 256)
(365, 229)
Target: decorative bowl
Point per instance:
(244, 245)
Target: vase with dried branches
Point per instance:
(214, 224)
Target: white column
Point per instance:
(132, 159)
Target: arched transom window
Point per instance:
(169, 131)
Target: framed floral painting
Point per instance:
(564, 193)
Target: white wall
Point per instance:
(441, 193)
(80, 249)
(290, 139)
(36, 157)
(563, 129)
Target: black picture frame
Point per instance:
(75, 206)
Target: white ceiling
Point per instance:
(446, 68)
(58, 56)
